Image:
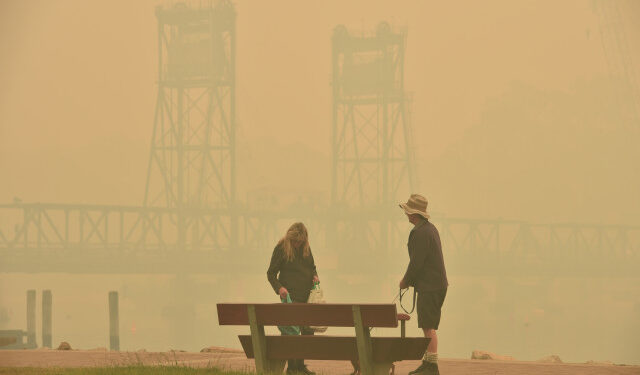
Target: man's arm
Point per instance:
(417, 256)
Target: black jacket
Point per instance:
(295, 275)
(426, 270)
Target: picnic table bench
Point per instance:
(374, 354)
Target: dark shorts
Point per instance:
(429, 306)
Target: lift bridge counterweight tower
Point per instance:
(372, 154)
(192, 163)
(189, 222)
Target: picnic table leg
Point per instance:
(382, 368)
(363, 340)
(258, 341)
(276, 365)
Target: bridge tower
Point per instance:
(618, 54)
(372, 155)
(192, 163)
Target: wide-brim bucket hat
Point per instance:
(417, 204)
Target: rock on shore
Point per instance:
(481, 354)
(551, 359)
(64, 346)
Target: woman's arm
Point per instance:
(316, 279)
(274, 268)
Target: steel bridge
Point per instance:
(191, 220)
(119, 239)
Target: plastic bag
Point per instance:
(288, 330)
(316, 296)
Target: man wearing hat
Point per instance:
(426, 273)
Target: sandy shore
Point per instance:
(231, 359)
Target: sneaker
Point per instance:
(306, 371)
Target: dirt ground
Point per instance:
(231, 359)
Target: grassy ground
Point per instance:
(128, 370)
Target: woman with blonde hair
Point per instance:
(292, 271)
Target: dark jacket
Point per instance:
(426, 270)
(295, 275)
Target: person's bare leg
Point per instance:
(433, 335)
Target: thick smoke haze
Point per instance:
(526, 82)
(517, 113)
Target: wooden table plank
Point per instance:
(303, 314)
(385, 349)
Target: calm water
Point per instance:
(578, 319)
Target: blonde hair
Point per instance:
(297, 232)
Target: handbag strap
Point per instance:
(413, 307)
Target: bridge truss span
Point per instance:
(81, 238)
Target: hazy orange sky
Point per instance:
(516, 114)
(513, 111)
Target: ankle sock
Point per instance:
(430, 357)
